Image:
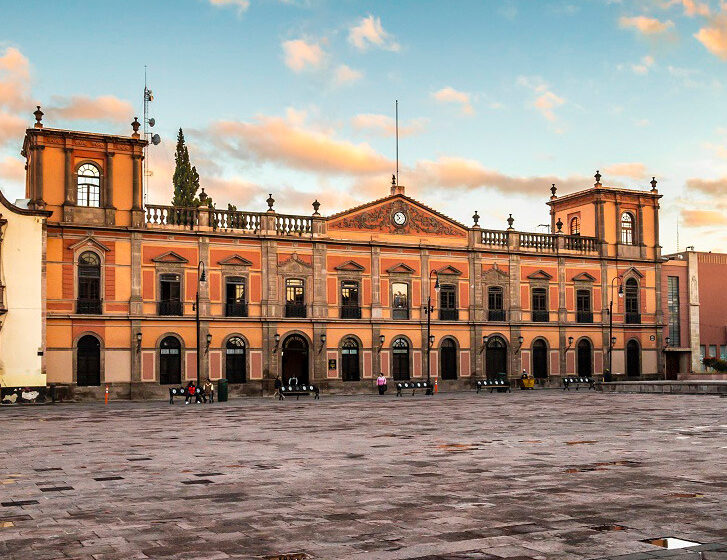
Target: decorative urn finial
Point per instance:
(552, 192)
(316, 206)
(559, 225)
(135, 126)
(38, 117)
(510, 221)
(270, 200)
(653, 184)
(476, 218)
(203, 196)
(598, 179)
(393, 180)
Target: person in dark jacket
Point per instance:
(278, 385)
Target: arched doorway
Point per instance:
(448, 359)
(88, 362)
(585, 352)
(295, 359)
(540, 359)
(235, 369)
(633, 359)
(349, 360)
(496, 358)
(400, 360)
(170, 361)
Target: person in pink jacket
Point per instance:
(381, 383)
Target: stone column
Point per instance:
(640, 230)
(137, 205)
(320, 299)
(135, 302)
(693, 289)
(37, 202)
(108, 194)
(514, 289)
(375, 283)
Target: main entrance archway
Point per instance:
(88, 361)
(585, 355)
(540, 359)
(295, 359)
(633, 359)
(496, 358)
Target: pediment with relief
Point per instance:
(350, 266)
(400, 268)
(382, 216)
(294, 265)
(170, 257)
(235, 260)
(495, 274)
(632, 272)
(584, 277)
(540, 275)
(449, 271)
(90, 240)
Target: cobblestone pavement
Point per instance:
(457, 476)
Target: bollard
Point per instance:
(106, 397)
(436, 387)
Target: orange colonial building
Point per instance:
(330, 300)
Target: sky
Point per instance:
(497, 99)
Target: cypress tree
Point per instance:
(186, 178)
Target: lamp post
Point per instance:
(201, 277)
(611, 338)
(430, 338)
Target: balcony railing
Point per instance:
(88, 306)
(539, 316)
(157, 215)
(236, 309)
(233, 219)
(293, 225)
(170, 307)
(295, 310)
(494, 238)
(539, 241)
(399, 313)
(632, 318)
(350, 312)
(580, 243)
(584, 316)
(449, 314)
(496, 315)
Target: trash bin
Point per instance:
(222, 391)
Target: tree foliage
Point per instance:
(186, 178)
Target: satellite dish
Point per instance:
(152, 122)
(156, 139)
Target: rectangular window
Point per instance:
(702, 355)
(236, 297)
(723, 352)
(448, 303)
(495, 304)
(350, 307)
(294, 298)
(400, 300)
(540, 305)
(170, 302)
(712, 351)
(673, 308)
(584, 314)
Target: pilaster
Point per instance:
(320, 300)
(375, 284)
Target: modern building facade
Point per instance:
(390, 286)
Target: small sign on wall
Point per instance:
(332, 364)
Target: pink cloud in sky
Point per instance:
(12, 128)
(301, 55)
(345, 75)
(14, 80)
(82, 107)
(450, 95)
(370, 33)
(703, 218)
(714, 35)
(241, 5)
(646, 25)
(384, 125)
(633, 171)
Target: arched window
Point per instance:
(88, 362)
(495, 304)
(89, 185)
(633, 359)
(170, 361)
(575, 226)
(448, 359)
(627, 228)
(496, 357)
(89, 283)
(631, 297)
(235, 369)
(400, 359)
(349, 360)
(294, 298)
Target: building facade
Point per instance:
(330, 300)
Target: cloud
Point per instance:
(300, 55)
(12, 129)
(369, 32)
(546, 101)
(714, 187)
(714, 35)
(12, 169)
(451, 95)
(691, 7)
(14, 80)
(82, 107)
(280, 140)
(646, 25)
(719, 151)
(634, 170)
(241, 5)
(643, 68)
(703, 218)
(345, 75)
(467, 174)
(384, 125)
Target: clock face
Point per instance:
(399, 218)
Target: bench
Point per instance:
(492, 383)
(578, 382)
(414, 385)
(182, 392)
(299, 391)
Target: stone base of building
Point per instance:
(672, 387)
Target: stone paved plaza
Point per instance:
(456, 476)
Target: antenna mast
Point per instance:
(677, 233)
(397, 142)
(149, 137)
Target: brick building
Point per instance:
(334, 300)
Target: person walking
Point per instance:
(209, 391)
(190, 392)
(381, 383)
(278, 385)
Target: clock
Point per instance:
(399, 218)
